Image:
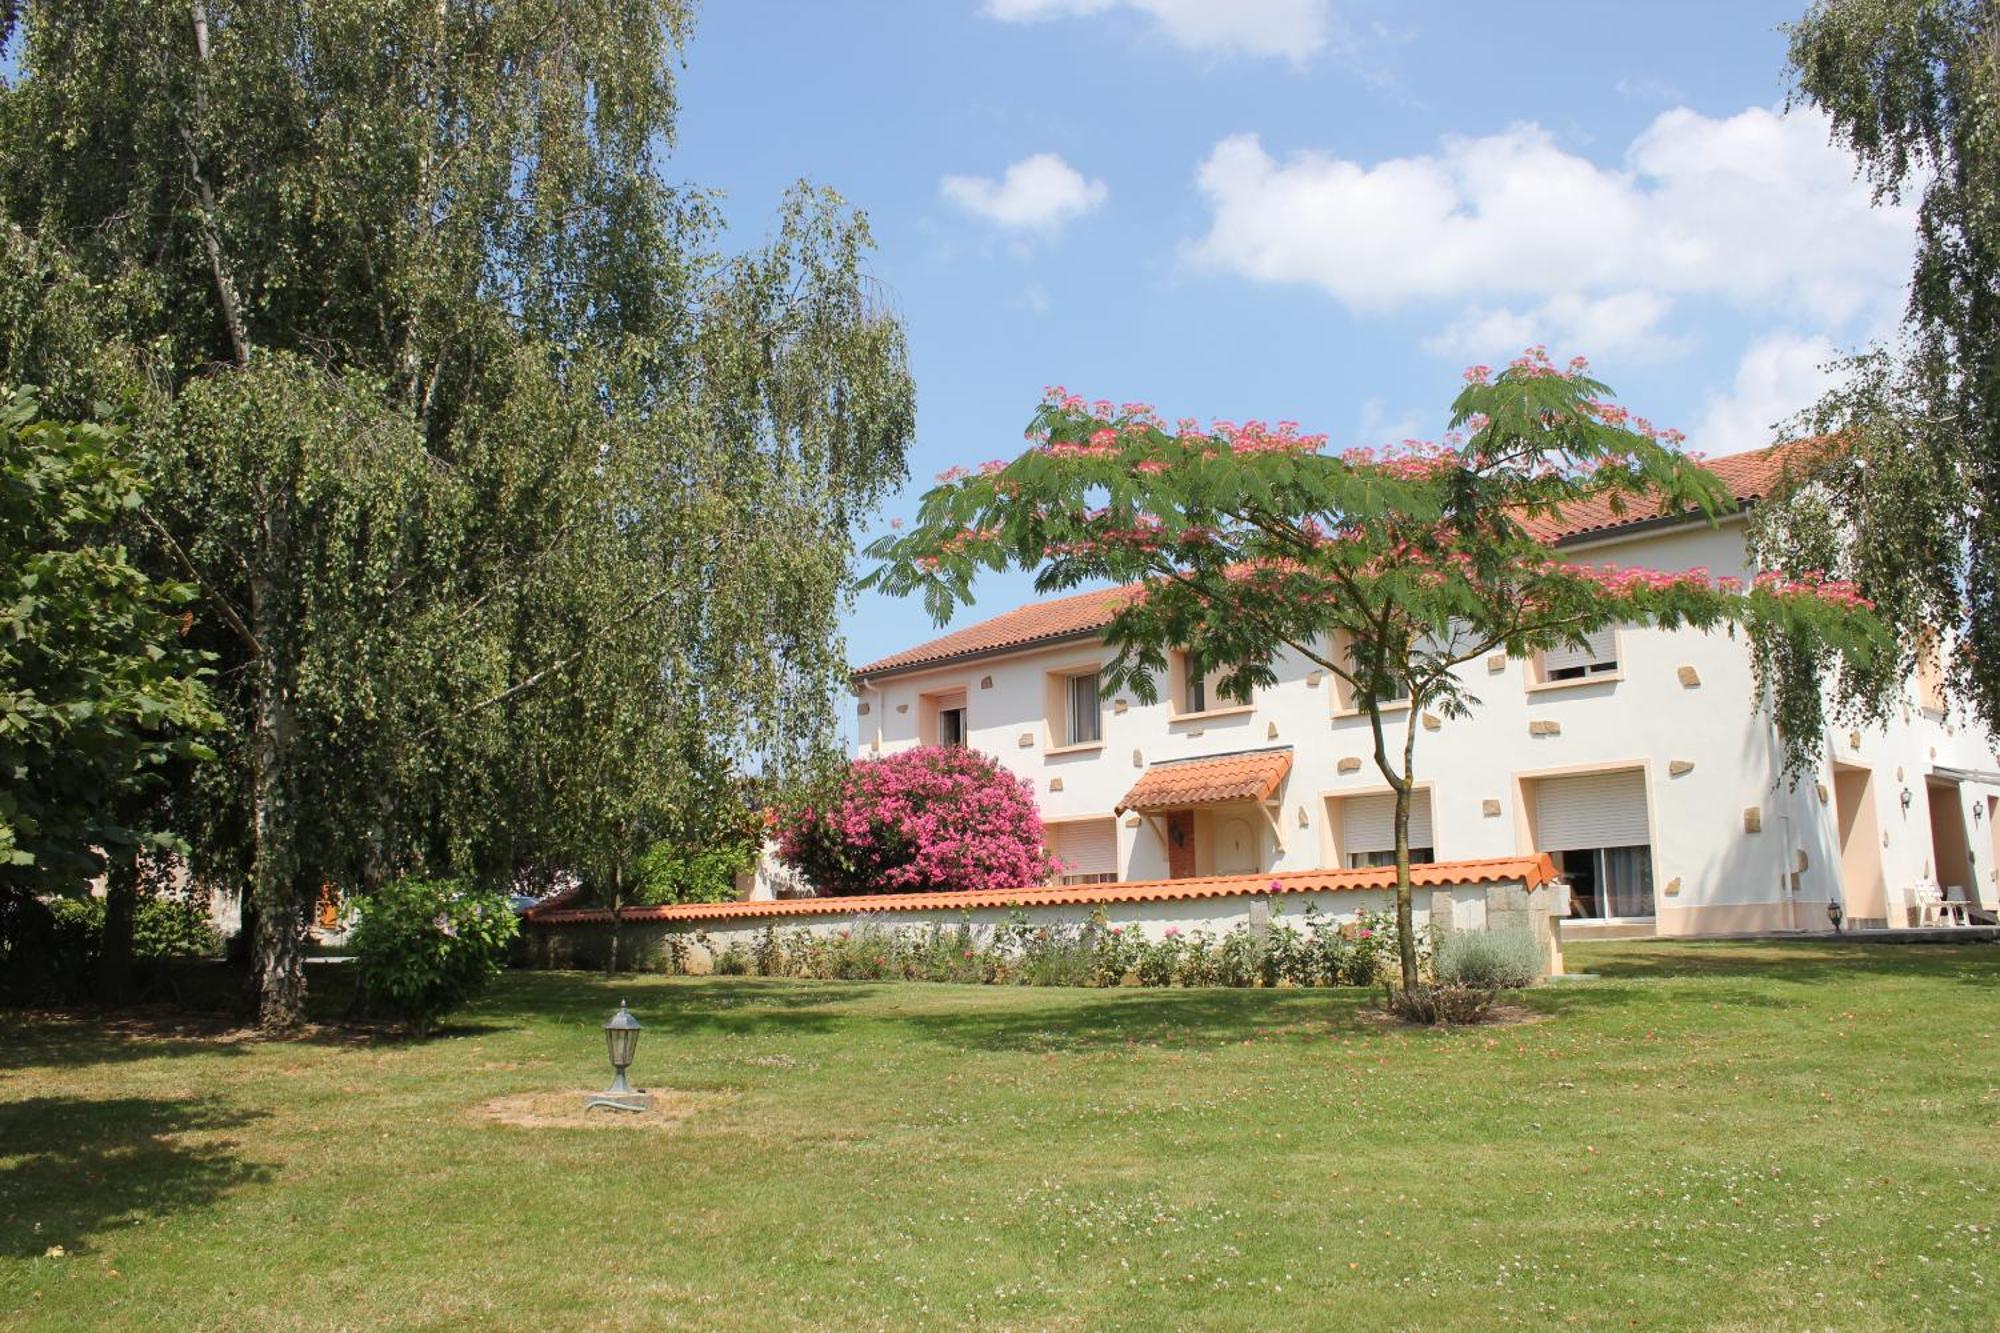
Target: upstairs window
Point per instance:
(1082, 710)
(1597, 656)
(941, 719)
(1196, 691)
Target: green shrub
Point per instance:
(424, 947)
(733, 961)
(672, 872)
(1489, 959)
(169, 927)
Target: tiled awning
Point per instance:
(1251, 775)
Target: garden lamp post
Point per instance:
(1833, 913)
(621, 1037)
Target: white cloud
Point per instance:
(1039, 193)
(1293, 29)
(1755, 210)
(1780, 375)
(1624, 325)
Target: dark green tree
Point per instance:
(1909, 461)
(100, 694)
(518, 508)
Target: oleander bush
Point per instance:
(425, 947)
(927, 820)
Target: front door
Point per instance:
(1237, 849)
(1180, 844)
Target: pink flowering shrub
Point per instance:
(928, 820)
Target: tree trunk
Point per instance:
(1406, 930)
(617, 911)
(277, 960)
(114, 950)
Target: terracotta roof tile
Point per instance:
(1179, 783)
(1531, 871)
(1749, 476)
(1038, 622)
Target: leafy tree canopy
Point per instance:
(99, 693)
(1913, 88)
(518, 507)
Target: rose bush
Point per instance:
(925, 820)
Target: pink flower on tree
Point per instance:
(927, 820)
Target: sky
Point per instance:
(1309, 210)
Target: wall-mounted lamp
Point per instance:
(1907, 798)
(1978, 813)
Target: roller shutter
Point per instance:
(1591, 810)
(1602, 648)
(1368, 823)
(1086, 847)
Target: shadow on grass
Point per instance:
(74, 1039)
(741, 1006)
(1096, 1020)
(75, 1166)
(1804, 961)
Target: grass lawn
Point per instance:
(1748, 1136)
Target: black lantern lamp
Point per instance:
(621, 1037)
(1834, 914)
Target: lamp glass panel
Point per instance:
(623, 1042)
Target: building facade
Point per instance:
(1642, 765)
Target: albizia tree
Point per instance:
(926, 820)
(1388, 569)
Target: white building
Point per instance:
(1644, 766)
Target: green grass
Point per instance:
(1724, 1135)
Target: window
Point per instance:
(1087, 850)
(1198, 691)
(1608, 881)
(1595, 826)
(942, 719)
(1086, 723)
(1346, 699)
(1598, 656)
(1364, 860)
(1367, 830)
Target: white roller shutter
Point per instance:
(1591, 810)
(1086, 847)
(1368, 823)
(1603, 647)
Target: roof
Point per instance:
(1749, 476)
(1530, 871)
(1079, 614)
(1250, 775)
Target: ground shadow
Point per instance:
(76, 1166)
(742, 1006)
(1802, 961)
(72, 1039)
(1131, 1016)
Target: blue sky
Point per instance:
(1316, 210)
